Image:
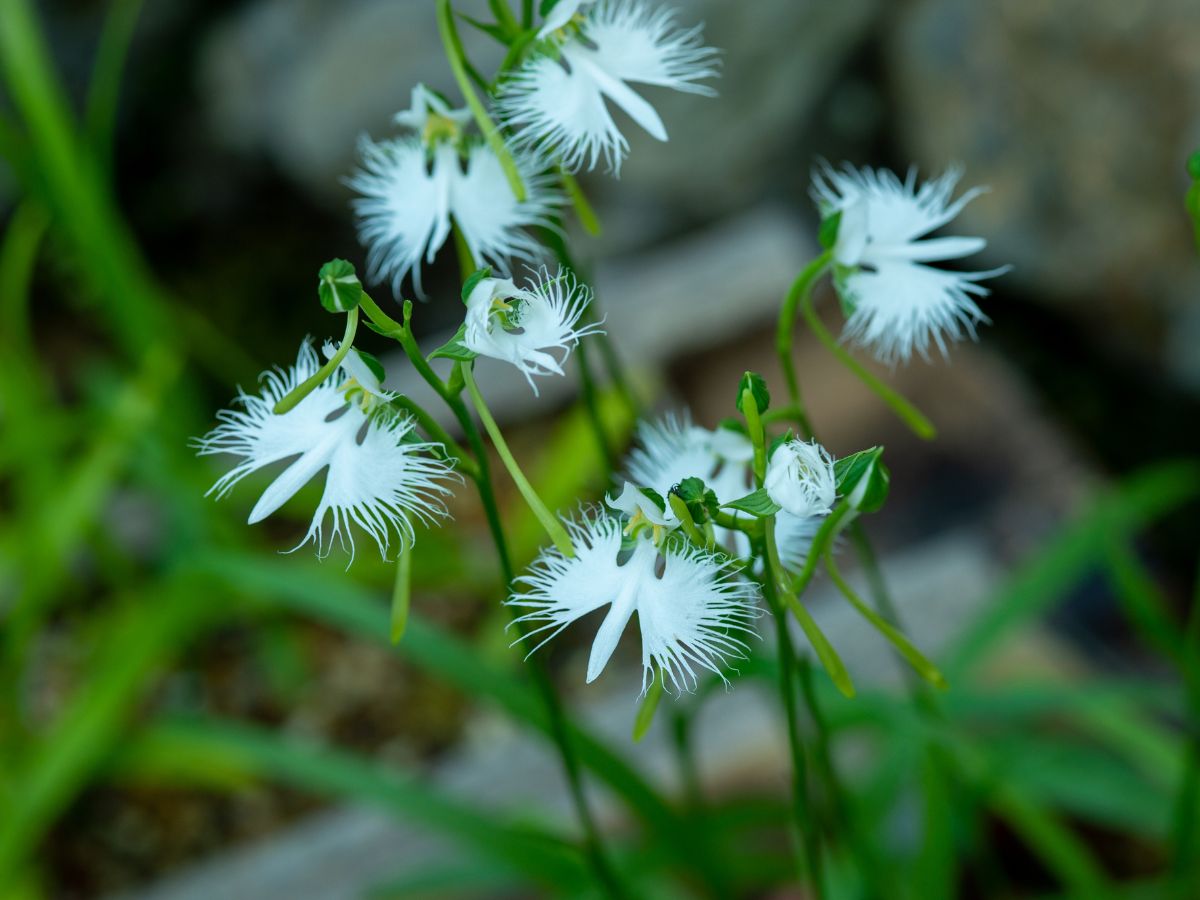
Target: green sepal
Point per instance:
(758, 504)
(377, 329)
(455, 348)
(850, 472)
(372, 362)
(754, 382)
(338, 287)
(701, 501)
(779, 442)
(841, 275)
(827, 233)
(473, 280)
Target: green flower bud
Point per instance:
(338, 287)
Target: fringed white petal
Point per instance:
(692, 616)
(800, 478)
(559, 105)
(794, 536)
(404, 208)
(544, 320)
(898, 304)
(487, 212)
(902, 306)
(673, 448)
(376, 477)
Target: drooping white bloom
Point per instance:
(360, 375)
(800, 478)
(634, 503)
(691, 615)
(377, 477)
(557, 99)
(898, 302)
(413, 188)
(523, 326)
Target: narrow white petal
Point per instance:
(636, 41)
(800, 478)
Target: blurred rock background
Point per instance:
(238, 125)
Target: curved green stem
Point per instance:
(785, 335)
(904, 647)
(437, 433)
(587, 215)
(306, 387)
(909, 414)
(402, 592)
(549, 521)
(458, 64)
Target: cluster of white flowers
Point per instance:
(694, 604)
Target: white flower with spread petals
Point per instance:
(557, 99)
(523, 326)
(413, 188)
(377, 476)
(800, 478)
(898, 303)
(691, 613)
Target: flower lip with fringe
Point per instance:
(377, 476)
(897, 302)
(556, 101)
(413, 188)
(523, 325)
(691, 614)
(800, 478)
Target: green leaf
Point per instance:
(863, 479)
(649, 704)
(492, 30)
(828, 232)
(338, 287)
(758, 503)
(754, 383)
(473, 280)
(455, 348)
(701, 502)
(371, 362)
(654, 497)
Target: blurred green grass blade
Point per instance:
(1142, 602)
(332, 772)
(136, 642)
(1121, 511)
(462, 878)
(335, 600)
(935, 870)
(104, 90)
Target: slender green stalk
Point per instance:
(310, 384)
(587, 215)
(504, 15)
(909, 414)
(549, 521)
(806, 828)
(591, 403)
(386, 324)
(105, 87)
(466, 260)
(458, 64)
(1185, 827)
(526, 13)
(462, 460)
(904, 647)
(687, 523)
(785, 333)
(402, 592)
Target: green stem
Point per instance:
(785, 335)
(549, 521)
(306, 387)
(587, 389)
(504, 16)
(688, 523)
(402, 592)
(587, 215)
(462, 460)
(909, 414)
(805, 822)
(387, 325)
(458, 64)
(904, 647)
(1186, 856)
(466, 260)
(526, 13)
(104, 91)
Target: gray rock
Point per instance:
(1079, 115)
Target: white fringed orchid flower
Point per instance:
(800, 478)
(691, 614)
(897, 302)
(378, 476)
(557, 99)
(523, 326)
(413, 188)
(364, 377)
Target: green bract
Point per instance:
(338, 287)
(701, 501)
(473, 281)
(754, 382)
(827, 233)
(863, 479)
(455, 348)
(758, 504)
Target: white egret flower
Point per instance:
(557, 99)
(361, 377)
(524, 326)
(800, 478)
(378, 477)
(412, 189)
(691, 613)
(898, 303)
